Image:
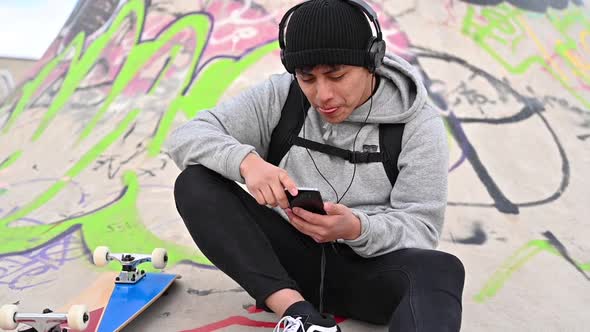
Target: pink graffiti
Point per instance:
(242, 321)
(238, 26)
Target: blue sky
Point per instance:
(27, 27)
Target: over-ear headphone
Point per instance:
(375, 45)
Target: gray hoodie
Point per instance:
(409, 215)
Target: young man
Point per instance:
(371, 257)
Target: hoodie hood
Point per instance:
(399, 96)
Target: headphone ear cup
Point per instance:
(378, 52)
(284, 61)
(375, 53)
(370, 61)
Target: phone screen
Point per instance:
(309, 199)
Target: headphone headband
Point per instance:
(371, 14)
(284, 21)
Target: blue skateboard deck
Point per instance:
(129, 300)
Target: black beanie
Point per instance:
(326, 32)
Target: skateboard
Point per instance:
(76, 318)
(135, 290)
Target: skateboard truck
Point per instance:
(77, 319)
(129, 262)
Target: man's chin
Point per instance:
(332, 120)
(335, 117)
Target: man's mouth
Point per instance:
(328, 110)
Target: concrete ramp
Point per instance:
(81, 162)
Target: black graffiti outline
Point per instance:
(110, 159)
(478, 236)
(563, 252)
(531, 105)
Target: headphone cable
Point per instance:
(339, 199)
(322, 245)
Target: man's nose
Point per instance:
(324, 93)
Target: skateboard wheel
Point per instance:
(159, 258)
(78, 317)
(7, 313)
(100, 256)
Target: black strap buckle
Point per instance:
(358, 157)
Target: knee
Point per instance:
(440, 267)
(185, 182)
(191, 185)
(450, 265)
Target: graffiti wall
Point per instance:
(81, 160)
(6, 83)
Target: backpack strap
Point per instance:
(390, 145)
(293, 114)
(355, 157)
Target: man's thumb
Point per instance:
(331, 208)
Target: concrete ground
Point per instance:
(81, 162)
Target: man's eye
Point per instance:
(337, 78)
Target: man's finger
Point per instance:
(310, 217)
(270, 195)
(259, 197)
(288, 183)
(316, 239)
(279, 195)
(267, 194)
(296, 222)
(302, 225)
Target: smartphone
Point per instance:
(309, 199)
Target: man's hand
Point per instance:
(266, 182)
(339, 223)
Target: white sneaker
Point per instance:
(305, 324)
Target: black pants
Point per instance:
(410, 289)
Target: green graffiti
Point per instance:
(506, 26)
(84, 161)
(10, 160)
(173, 53)
(204, 95)
(119, 225)
(207, 91)
(140, 54)
(80, 67)
(514, 263)
(568, 45)
(29, 89)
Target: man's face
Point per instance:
(335, 91)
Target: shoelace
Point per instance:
(291, 325)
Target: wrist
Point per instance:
(355, 229)
(245, 165)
